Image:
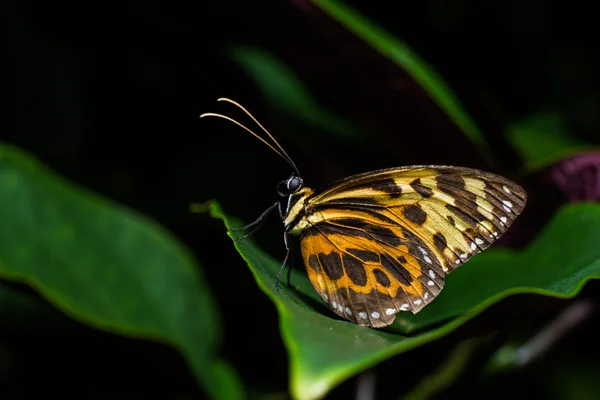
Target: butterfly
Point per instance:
(381, 242)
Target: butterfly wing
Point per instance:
(383, 242)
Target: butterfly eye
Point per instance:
(289, 186)
(294, 183)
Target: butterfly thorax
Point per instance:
(295, 211)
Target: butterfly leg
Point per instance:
(258, 223)
(289, 275)
(283, 265)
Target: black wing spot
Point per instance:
(382, 278)
(422, 190)
(415, 214)
(388, 186)
(332, 265)
(355, 270)
(439, 241)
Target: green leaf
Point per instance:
(324, 350)
(542, 139)
(399, 52)
(284, 90)
(107, 266)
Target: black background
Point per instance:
(109, 96)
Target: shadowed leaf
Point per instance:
(107, 267)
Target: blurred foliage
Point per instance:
(97, 298)
(541, 140)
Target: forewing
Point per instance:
(456, 212)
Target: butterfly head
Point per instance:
(290, 186)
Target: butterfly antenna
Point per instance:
(248, 129)
(282, 153)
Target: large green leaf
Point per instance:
(400, 53)
(107, 267)
(324, 350)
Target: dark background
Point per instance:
(109, 96)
